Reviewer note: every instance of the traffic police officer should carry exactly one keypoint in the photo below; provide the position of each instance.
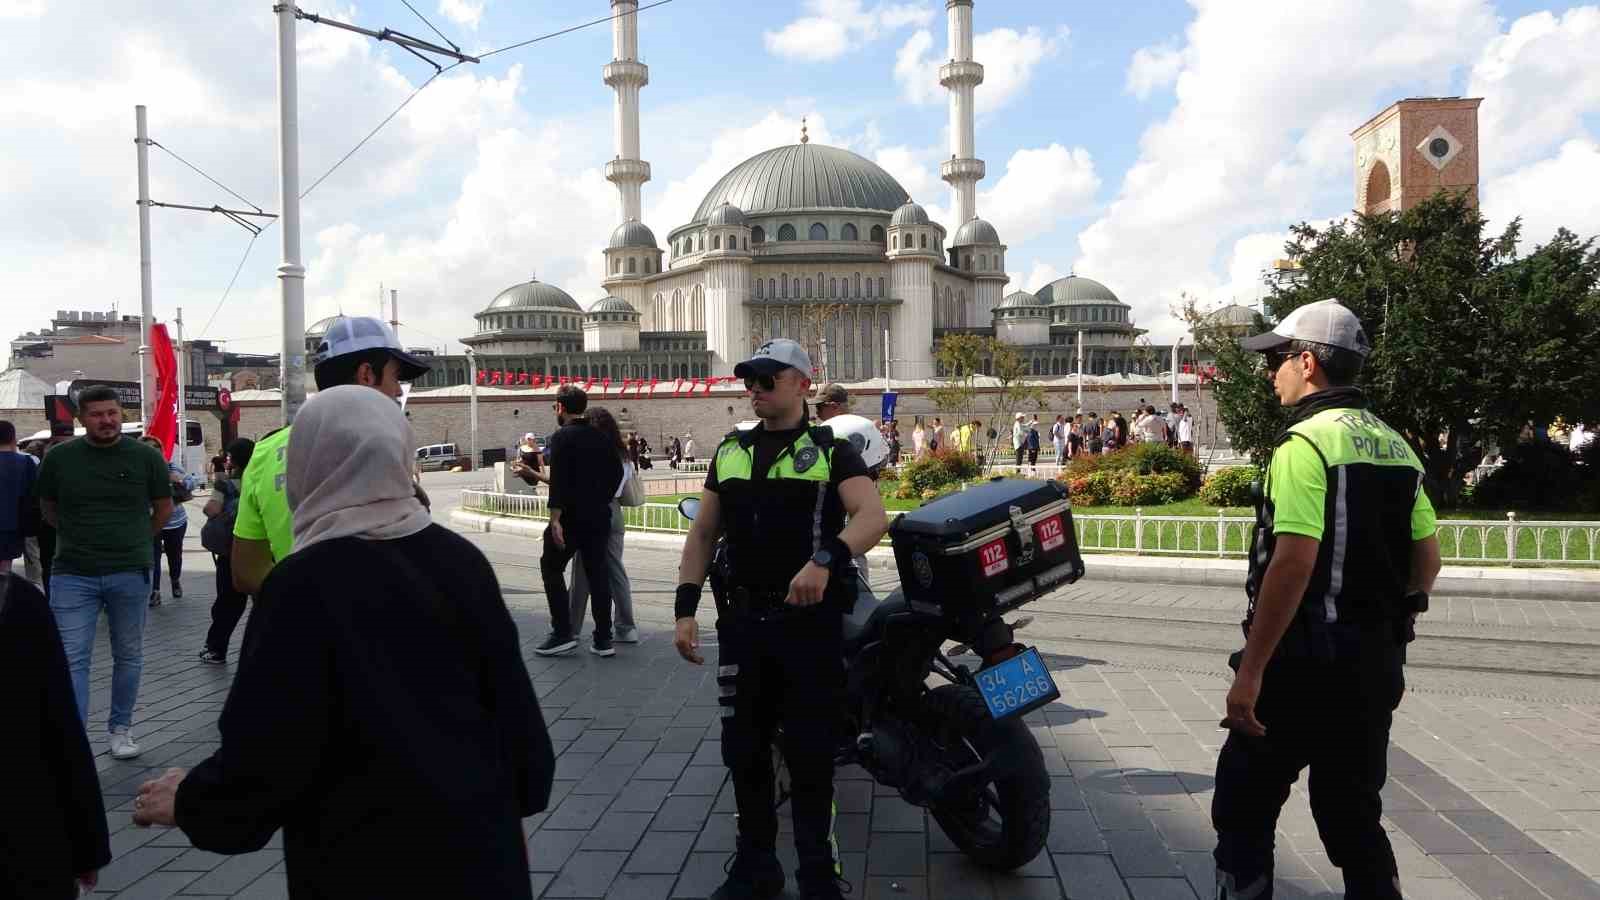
(780, 493)
(1343, 556)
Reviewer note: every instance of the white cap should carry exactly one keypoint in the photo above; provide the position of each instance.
(1327, 322)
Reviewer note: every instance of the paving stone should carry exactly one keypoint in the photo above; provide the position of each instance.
(1433, 834)
(660, 852)
(1065, 794)
(1487, 877)
(549, 850)
(682, 813)
(700, 876)
(195, 861)
(1074, 832)
(128, 868)
(1438, 792)
(1553, 875)
(641, 887)
(627, 753)
(1160, 889)
(647, 728)
(701, 780)
(1141, 853)
(1184, 830)
(236, 872)
(617, 831)
(641, 796)
(158, 886)
(881, 887)
(1089, 876)
(661, 765)
(587, 874)
(271, 886)
(1494, 833)
(896, 854)
(894, 814)
(720, 835)
(573, 765)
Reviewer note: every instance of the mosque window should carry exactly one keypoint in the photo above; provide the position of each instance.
(924, 242)
(869, 287)
(616, 265)
(808, 287)
(877, 234)
(760, 289)
(758, 235)
(783, 284)
(716, 242)
(968, 263)
(633, 265)
(983, 262)
(786, 233)
(881, 292)
(833, 287)
(819, 231)
(849, 233)
(858, 285)
(772, 289)
(895, 244)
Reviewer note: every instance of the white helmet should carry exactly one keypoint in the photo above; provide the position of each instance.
(863, 435)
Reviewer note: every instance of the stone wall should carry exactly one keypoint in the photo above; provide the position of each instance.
(503, 420)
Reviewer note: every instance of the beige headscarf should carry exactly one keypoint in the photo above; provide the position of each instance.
(349, 469)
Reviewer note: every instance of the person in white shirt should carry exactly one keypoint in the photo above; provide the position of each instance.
(621, 589)
(688, 447)
(1019, 437)
(1185, 430)
(1152, 427)
(1058, 439)
(1579, 437)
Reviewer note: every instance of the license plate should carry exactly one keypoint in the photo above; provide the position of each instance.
(1017, 686)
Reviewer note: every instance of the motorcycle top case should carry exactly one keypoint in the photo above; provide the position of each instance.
(987, 549)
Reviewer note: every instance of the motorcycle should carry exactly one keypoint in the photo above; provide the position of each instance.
(943, 747)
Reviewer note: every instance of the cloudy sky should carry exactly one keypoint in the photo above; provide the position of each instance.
(1159, 147)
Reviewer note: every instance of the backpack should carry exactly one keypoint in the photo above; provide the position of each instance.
(217, 534)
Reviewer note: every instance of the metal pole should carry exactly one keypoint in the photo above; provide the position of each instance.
(142, 142)
(1080, 371)
(1175, 345)
(472, 406)
(291, 272)
(888, 386)
(183, 429)
(394, 312)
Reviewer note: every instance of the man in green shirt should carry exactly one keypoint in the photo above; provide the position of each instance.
(356, 350)
(1342, 559)
(107, 496)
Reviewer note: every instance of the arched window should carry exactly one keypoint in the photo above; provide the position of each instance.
(616, 265)
(783, 284)
(758, 235)
(772, 289)
(877, 233)
(833, 287)
(786, 232)
(808, 287)
(858, 285)
(869, 287)
(967, 264)
(881, 292)
(896, 242)
(716, 242)
(819, 232)
(849, 233)
(924, 242)
(633, 265)
(760, 289)
(700, 242)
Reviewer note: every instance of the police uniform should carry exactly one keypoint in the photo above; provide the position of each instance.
(1341, 476)
(779, 664)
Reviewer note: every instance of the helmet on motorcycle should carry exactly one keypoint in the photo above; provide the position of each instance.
(864, 436)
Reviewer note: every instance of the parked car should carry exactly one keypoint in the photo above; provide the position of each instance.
(437, 457)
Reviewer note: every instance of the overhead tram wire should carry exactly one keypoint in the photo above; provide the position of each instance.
(425, 21)
(229, 289)
(196, 169)
(546, 37)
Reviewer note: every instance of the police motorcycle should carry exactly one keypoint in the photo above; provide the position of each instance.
(961, 748)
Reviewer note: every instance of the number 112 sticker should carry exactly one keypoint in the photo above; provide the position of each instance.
(992, 557)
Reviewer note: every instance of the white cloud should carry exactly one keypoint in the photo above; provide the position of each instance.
(1538, 81)
(1266, 97)
(1554, 192)
(1153, 67)
(1040, 187)
(465, 13)
(1041, 274)
(917, 170)
(1009, 58)
(21, 9)
(835, 27)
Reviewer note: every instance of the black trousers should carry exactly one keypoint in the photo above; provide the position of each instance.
(589, 539)
(226, 610)
(170, 542)
(787, 670)
(1333, 718)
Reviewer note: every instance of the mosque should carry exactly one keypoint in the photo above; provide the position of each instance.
(804, 241)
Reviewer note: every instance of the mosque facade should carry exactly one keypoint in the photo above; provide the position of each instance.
(805, 241)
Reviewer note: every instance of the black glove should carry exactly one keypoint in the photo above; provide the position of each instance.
(686, 601)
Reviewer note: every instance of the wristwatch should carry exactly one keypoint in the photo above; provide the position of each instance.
(823, 558)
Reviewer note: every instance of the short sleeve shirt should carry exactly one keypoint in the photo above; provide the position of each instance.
(103, 497)
(263, 502)
(1298, 483)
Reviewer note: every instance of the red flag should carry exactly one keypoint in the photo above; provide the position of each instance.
(495, 376)
(709, 382)
(483, 375)
(653, 383)
(605, 385)
(163, 422)
(587, 383)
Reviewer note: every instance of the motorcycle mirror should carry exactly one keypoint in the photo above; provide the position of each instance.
(688, 507)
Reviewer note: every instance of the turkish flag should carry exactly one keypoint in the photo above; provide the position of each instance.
(483, 375)
(709, 382)
(605, 385)
(653, 383)
(163, 422)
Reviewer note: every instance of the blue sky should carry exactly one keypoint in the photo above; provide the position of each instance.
(1162, 147)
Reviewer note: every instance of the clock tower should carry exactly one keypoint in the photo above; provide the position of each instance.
(1415, 148)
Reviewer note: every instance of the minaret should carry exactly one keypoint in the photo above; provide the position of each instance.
(626, 75)
(960, 76)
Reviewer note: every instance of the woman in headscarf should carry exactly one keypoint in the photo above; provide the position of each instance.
(383, 707)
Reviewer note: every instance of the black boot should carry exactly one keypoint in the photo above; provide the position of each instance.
(821, 881)
(753, 874)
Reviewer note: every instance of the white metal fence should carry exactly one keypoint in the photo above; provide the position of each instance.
(1462, 541)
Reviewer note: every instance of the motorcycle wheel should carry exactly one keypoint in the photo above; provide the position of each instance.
(1001, 824)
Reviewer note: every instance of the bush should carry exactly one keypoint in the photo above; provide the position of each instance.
(1233, 486)
(1540, 476)
(1139, 475)
(1091, 490)
(937, 470)
(1130, 489)
(1140, 459)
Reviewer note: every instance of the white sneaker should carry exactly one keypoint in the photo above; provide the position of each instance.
(122, 745)
(626, 635)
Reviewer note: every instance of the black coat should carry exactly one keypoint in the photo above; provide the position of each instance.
(56, 827)
(384, 719)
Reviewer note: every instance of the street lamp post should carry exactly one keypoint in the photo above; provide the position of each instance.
(291, 272)
(472, 406)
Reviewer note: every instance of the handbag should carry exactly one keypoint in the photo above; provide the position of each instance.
(632, 490)
(216, 535)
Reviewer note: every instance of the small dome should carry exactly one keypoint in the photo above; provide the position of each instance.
(726, 214)
(633, 233)
(321, 328)
(910, 214)
(534, 294)
(612, 305)
(1231, 316)
(975, 231)
(1075, 290)
(1019, 299)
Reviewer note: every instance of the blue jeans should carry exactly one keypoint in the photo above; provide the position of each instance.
(76, 601)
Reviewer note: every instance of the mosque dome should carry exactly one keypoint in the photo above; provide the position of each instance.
(632, 233)
(804, 176)
(612, 305)
(726, 214)
(534, 294)
(910, 214)
(1075, 289)
(975, 231)
(1018, 300)
(1231, 316)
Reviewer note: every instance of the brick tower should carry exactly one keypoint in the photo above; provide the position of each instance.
(1414, 148)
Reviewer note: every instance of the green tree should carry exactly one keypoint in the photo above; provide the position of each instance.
(1243, 396)
(960, 358)
(1470, 339)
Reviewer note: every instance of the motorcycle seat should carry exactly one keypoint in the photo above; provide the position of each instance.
(865, 622)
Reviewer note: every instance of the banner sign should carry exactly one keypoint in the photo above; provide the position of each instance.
(195, 396)
(889, 398)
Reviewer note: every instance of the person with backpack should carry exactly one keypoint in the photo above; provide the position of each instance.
(217, 537)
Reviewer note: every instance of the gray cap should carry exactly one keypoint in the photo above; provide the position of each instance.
(773, 357)
(1326, 322)
(353, 334)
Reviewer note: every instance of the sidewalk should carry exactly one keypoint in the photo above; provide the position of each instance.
(1458, 581)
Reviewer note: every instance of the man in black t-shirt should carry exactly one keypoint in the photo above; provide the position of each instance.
(780, 493)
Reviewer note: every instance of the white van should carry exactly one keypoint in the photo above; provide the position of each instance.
(436, 457)
(193, 459)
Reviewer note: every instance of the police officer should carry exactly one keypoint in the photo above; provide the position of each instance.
(1343, 556)
(780, 493)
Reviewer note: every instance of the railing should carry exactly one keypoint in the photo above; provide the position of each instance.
(1461, 541)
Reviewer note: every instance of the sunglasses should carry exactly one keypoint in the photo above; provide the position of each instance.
(764, 382)
(1276, 359)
